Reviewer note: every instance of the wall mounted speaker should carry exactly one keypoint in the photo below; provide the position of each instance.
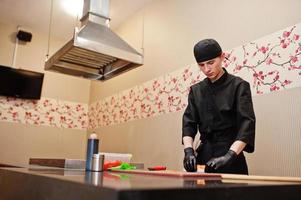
(24, 36)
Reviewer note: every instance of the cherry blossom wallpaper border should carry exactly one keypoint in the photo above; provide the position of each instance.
(271, 63)
(46, 112)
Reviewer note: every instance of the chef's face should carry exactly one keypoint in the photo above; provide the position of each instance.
(212, 68)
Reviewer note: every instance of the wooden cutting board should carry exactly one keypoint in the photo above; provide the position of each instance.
(175, 173)
(260, 178)
(170, 173)
(62, 163)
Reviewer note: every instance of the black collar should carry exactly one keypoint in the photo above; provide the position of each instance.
(219, 81)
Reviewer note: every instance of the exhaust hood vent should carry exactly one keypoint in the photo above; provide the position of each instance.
(95, 52)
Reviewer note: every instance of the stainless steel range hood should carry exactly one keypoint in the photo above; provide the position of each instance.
(95, 52)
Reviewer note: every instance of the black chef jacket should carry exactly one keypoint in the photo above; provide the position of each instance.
(222, 112)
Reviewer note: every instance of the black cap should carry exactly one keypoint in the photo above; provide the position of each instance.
(206, 49)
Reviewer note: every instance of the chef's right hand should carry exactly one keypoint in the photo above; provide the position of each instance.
(189, 161)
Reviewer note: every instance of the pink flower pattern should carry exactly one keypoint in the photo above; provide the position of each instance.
(46, 111)
(163, 95)
(271, 63)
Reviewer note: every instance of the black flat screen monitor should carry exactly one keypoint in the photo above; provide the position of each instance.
(20, 83)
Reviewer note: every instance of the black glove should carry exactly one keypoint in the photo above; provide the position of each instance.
(226, 160)
(189, 161)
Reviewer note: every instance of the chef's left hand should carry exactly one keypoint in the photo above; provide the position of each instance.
(227, 159)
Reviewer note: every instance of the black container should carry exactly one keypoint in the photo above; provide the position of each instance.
(92, 148)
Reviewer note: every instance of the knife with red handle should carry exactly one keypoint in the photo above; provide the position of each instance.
(156, 168)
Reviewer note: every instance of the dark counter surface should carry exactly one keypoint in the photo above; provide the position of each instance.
(55, 183)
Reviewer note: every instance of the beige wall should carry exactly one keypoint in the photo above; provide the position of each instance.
(152, 141)
(171, 27)
(278, 134)
(18, 142)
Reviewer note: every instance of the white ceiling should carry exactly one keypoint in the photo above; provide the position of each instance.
(35, 14)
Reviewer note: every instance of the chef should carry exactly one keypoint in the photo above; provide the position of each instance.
(219, 107)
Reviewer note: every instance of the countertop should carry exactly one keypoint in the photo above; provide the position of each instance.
(55, 183)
